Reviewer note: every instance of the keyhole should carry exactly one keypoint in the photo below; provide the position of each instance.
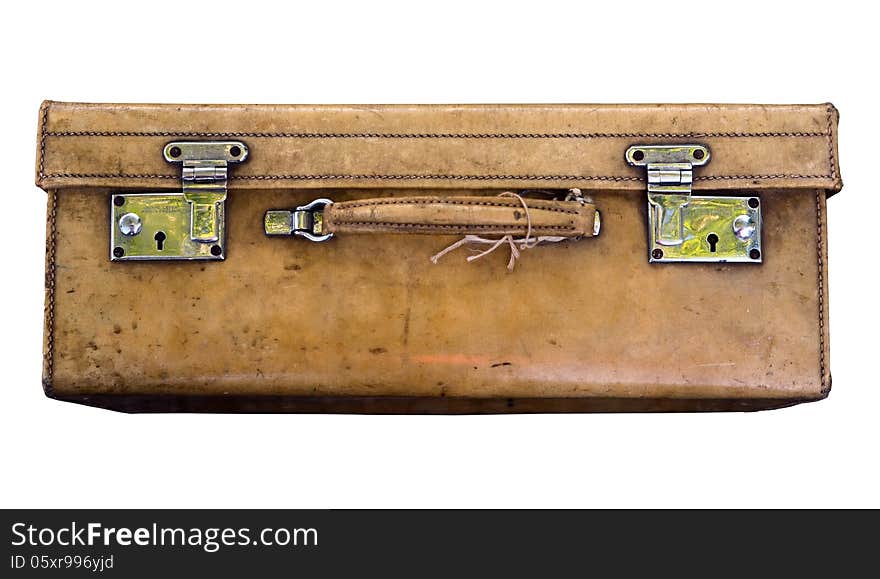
(713, 241)
(160, 240)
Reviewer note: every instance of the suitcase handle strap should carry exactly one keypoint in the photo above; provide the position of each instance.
(509, 219)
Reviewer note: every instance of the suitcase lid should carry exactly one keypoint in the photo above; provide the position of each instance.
(754, 147)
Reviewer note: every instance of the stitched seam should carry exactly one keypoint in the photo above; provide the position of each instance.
(427, 177)
(831, 161)
(460, 226)
(51, 244)
(369, 135)
(820, 250)
(821, 287)
(44, 117)
(478, 203)
(109, 176)
(778, 176)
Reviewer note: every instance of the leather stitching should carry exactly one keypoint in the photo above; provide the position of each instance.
(832, 165)
(429, 177)
(109, 176)
(51, 244)
(44, 117)
(476, 203)
(820, 283)
(318, 135)
(778, 176)
(821, 287)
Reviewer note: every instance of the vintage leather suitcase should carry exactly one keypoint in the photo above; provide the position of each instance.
(621, 257)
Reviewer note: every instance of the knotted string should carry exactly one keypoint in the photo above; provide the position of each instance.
(524, 243)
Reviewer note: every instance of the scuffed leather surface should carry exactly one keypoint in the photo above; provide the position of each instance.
(371, 315)
(461, 215)
(368, 324)
(449, 146)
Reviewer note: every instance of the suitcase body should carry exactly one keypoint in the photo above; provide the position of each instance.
(366, 322)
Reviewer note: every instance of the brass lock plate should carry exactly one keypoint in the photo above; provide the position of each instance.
(714, 229)
(150, 226)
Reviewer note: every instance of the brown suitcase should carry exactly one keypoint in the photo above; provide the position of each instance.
(628, 257)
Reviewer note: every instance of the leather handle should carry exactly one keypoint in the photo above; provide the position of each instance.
(463, 216)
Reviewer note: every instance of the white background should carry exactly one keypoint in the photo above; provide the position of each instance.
(65, 455)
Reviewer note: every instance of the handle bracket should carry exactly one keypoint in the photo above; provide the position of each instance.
(305, 221)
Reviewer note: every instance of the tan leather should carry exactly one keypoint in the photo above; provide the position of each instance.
(761, 147)
(369, 324)
(462, 216)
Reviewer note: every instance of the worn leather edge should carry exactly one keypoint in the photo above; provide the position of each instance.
(420, 405)
(65, 179)
(49, 288)
(42, 131)
(822, 288)
(833, 162)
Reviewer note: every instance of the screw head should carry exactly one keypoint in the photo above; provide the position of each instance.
(216, 250)
(657, 253)
(130, 224)
(118, 252)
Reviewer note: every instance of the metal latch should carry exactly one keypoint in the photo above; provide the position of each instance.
(686, 227)
(187, 225)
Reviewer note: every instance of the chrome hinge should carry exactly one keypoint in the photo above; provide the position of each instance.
(204, 173)
(186, 225)
(686, 227)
